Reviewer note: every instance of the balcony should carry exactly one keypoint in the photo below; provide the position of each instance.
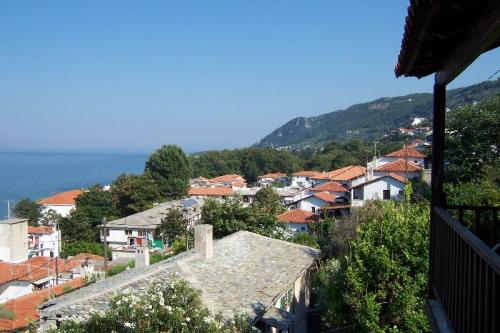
(464, 277)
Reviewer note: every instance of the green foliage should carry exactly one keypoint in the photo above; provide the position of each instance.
(164, 307)
(157, 257)
(91, 207)
(304, 238)
(473, 139)
(133, 194)
(178, 246)
(28, 209)
(248, 162)
(408, 191)
(117, 269)
(170, 168)
(6, 313)
(267, 200)
(73, 248)
(380, 286)
(50, 217)
(174, 225)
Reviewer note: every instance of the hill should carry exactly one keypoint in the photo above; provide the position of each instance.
(370, 120)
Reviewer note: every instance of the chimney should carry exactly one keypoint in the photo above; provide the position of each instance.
(203, 244)
(141, 257)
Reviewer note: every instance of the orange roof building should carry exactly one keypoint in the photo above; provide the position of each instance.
(276, 175)
(33, 269)
(400, 165)
(210, 191)
(41, 230)
(307, 174)
(329, 187)
(64, 198)
(298, 216)
(407, 152)
(25, 308)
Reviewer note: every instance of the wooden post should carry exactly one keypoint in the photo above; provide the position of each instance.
(437, 200)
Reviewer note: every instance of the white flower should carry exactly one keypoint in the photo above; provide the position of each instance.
(129, 325)
(188, 319)
(168, 307)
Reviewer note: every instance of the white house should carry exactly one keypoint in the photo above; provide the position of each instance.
(230, 180)
(347, 176)
(298, 220)
(62, 203)
(401, 167)
(44, 241)
(315, 202)
(302, 179)
(269, 179)
(331, 187)
(126, 234)
(386, 187)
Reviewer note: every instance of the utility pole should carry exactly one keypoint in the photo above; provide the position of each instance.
(375, 143)
(8, 209)
(104, 232)
(57, 271)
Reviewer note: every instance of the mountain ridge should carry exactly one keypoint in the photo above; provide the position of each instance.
(369, 120)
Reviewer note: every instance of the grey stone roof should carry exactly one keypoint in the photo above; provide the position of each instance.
(151, 218)
(247, 273)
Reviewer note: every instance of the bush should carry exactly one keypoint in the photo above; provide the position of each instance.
(116, 269)
(73, 248)
(304, 238)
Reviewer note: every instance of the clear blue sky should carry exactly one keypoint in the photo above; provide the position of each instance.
(129, 76)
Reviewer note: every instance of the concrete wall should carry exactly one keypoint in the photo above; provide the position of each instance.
(62, 210)
(14, 241)
(309, 203)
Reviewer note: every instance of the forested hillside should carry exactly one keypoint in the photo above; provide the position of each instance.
(367, 121)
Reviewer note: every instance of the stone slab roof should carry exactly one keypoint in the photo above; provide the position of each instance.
(247, 273)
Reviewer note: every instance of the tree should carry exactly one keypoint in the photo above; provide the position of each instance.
(90, 208)
(134, 193)
(226, 217)
(50, 217)
(28, 209)
(170, 168)
(473, 139)
(174, 225)
(73, 248)
(268, 200)
(381, 283)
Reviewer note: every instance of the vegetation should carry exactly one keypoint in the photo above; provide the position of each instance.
(134, 193)
(170, 169)
(369, 121)
(164, 307)
(380, 285)
(117, 269)
(28, 209)
(6, 313)
(73, 248)
(174, 226)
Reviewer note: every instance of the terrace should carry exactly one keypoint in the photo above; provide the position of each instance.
(444, 38)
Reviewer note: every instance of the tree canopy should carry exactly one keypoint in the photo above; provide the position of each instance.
(28, 209)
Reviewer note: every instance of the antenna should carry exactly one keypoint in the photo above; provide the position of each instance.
(8, 209)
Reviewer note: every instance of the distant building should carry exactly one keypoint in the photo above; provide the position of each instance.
(303, 179)
(44, 241)
(386, 187)
(126, 234)
(298, 220)
(210, 192)
(316, 201)
(199, 182)
(347, 176)
(400, 167)
(244, 272)
(409, 153)
(270, 179)
(62, 203)
(14, 240)
(331, 187)
(230, 180)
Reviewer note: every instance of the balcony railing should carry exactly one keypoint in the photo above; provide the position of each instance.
(465, 271)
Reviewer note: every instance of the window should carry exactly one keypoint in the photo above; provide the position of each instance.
(313, 209)
(386, 194)
(128, 232)
(302, 228)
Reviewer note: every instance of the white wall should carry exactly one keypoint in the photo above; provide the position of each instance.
(62, 210)
(14, 241)
(308, 203)
(374, 190)
(297, 227)
(300, 181)
(14, 289)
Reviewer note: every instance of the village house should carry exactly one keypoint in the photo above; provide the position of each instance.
(302, 179)
(272, 179)
(331, 187)
(61, 203)
(409, 153)
(125, 235)
(314, 202)
(233, 181)
(298, 220)
(25, 309)
(232, 273)
(400, 167)
(33, 274)
(199, 182)
(248, 195)
(210, 192)
(386, 187)
(44, 241)
(347, 176)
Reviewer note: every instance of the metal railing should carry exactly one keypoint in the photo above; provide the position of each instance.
(465, 273)
(481, 220)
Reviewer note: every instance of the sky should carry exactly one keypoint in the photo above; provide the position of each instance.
(130, 76)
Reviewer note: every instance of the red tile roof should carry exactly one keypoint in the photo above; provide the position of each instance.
(345, 173)
(84, 256)
(273, 175)
(63, 198)
(33, 269)
(228, 178)
(307, 173)
(329, 187)
(298, 216)
(210, 191)
(41, 230)
(399, 165)
(325, 196)
(410, 152)
(25, 308)
(397, 177)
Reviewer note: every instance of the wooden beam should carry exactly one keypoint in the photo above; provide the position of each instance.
(481, 36)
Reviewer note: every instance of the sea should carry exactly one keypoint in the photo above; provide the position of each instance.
(39, 175)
